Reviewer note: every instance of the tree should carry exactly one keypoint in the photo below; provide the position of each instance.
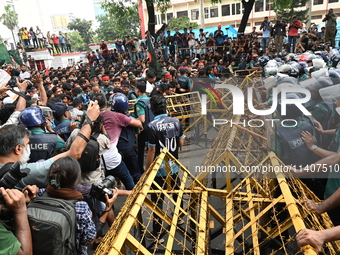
(118, 8)
(84, 28)
(10, 19)
(113, 26)
(290, 8)
(77, 42)
(182, 22)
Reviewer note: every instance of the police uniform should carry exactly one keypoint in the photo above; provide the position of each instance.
(63, 129)
(126, 147)
(140, 109)
(294, 152)
(41, 144)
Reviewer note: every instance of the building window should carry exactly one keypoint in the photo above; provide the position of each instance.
(236, 9)
(259, 6)
(194, 14)
(182, 13)
(269, 6)
(258, 23)
(70, 62)
(213, 12)
(317, 17)
(169, 16)
(206, 12)
(316, 2)
(333, 1)
(163, 18)
(156, 21)
(226, 10)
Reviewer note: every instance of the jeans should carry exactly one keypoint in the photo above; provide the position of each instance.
(140, 55)
(291, 43)
(56, 46)
(63, 47)
(68, 48)
(133, 57)
(122, 173)
(130, 158)
(265, 41)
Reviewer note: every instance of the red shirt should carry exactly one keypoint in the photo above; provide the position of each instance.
(104, 48)
(113, 123)
(55, 39)
(293, 31)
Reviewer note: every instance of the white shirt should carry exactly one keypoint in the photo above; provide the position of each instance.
(39, 34)
(137, 45)
(24, 75)
(149, 87)
(8, 47)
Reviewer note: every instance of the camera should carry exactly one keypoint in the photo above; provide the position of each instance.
(13, 174)
(98, 190)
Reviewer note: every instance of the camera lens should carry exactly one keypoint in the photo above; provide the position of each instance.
(108, 181)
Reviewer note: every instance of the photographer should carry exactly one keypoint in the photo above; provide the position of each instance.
(279, 32)
(14, 141)
(330, 20)
(20, 242)
(293, 33)
(267, 28)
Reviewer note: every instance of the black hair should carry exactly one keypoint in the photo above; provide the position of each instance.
(163, 87)
(158, 104)
(65, 172)
(150, 75)
(77, 101)
(100, 97)
(141, 86)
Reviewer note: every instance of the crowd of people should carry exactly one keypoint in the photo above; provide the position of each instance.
(71, 127)
(35, 39)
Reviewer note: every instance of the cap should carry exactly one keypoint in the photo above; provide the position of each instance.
(7, 100)
(168, 75)
(164, 72)
(183, 70)
(59, 109)
(219, 26)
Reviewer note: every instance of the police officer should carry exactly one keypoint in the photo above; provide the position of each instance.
(126, 143)
(41, 143)
(63, 118)
(183, 81)
(320, 110)
(290, 147)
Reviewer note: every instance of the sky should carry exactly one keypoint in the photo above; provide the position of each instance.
(80, 8)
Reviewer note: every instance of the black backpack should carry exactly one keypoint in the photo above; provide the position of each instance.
(53, 225)
(90, 160)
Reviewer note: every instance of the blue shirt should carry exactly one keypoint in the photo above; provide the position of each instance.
(266, 31)
(61, 39)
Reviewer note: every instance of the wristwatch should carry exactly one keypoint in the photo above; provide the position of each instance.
(314, 147)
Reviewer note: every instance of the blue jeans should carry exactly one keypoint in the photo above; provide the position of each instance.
(291, 43)
(265, 41)
(122, 173)
(133, 56)
(165, 54)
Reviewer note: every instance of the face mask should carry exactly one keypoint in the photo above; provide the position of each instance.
(25, 155)
(338, 110)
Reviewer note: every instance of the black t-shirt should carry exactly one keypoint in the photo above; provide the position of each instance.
(166, 132)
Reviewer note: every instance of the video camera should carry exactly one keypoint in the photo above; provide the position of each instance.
(98, 190)
(11, 175)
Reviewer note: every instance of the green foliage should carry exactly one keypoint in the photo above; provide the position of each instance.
(84, 28)
(288, 9)
(77, 42)
(180, 23)
(9, 18)
(112, 25)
